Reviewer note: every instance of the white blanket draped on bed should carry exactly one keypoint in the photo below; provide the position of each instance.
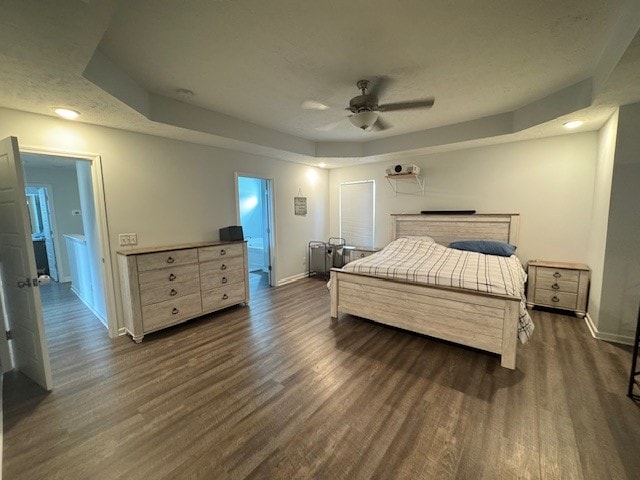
(420, 261)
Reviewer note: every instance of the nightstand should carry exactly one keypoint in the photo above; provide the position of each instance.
(558, 285)
(354, 253)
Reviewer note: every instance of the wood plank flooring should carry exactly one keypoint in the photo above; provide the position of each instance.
(279, 390)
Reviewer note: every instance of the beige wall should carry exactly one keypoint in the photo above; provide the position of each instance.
(172, 192)
(549, 182)
(621, 274)
(600, 212)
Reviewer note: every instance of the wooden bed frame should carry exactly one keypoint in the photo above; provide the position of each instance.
(480, 320)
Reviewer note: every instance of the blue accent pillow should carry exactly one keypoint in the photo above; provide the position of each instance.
(488, 247)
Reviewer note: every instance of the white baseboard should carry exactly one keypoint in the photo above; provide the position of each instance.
(90, 307)
(608, 337)
(292, 279)
(122, 331)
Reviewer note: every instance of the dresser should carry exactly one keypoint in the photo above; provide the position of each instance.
(165, 286)
(558, 285)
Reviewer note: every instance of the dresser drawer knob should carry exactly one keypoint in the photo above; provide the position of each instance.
(223, 267)
(175, 311)
(224, 279)
(170, 260)
(225, 296)
(557, 274)
(172, 277)
(173, 292)
(223, 252)
(555, 299)
(362, 255)
(555, 286)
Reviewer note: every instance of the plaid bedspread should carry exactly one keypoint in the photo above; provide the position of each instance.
(420, 261)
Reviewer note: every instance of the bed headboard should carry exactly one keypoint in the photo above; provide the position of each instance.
(445, 229)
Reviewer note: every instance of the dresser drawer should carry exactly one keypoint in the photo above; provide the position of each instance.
(151, 293)
(168, 276)
(221, 297)
(153, 261)
(557, 284)
(220, 251)
(221, 267)
(221, 279)
(556, 299)
(551, 274)
(165, 313)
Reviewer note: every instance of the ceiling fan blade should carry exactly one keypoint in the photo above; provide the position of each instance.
(390, 107)
(313, 105)
(378, 86)
(381, 125)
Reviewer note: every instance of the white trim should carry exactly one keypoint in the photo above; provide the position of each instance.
(90, 307)
(272, 219)
(122, 331)
(608, 337)
(103, 227)
(293, 278)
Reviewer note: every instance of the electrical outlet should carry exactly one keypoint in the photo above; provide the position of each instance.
(128, 239)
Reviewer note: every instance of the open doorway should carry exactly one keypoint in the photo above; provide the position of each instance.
(254, 211)
(64, 228)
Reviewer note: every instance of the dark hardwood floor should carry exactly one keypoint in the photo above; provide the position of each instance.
(279, 390)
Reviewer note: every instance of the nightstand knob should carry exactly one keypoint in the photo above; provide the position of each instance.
(555, 299)
(557, 274)
(555, 286)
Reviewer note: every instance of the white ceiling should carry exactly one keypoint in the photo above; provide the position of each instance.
(252, 63)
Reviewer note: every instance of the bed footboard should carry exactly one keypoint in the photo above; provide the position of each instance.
(484, 321)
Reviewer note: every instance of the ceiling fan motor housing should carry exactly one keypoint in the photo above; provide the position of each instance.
(368, 103)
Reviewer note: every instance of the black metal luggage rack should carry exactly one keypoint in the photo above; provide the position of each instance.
(634, 377)
(323, 256)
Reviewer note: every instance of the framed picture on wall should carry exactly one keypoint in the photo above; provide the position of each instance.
(300, 205)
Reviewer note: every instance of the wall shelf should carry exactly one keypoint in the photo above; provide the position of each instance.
(412, 178)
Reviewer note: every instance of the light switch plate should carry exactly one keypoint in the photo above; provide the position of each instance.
(128, 239)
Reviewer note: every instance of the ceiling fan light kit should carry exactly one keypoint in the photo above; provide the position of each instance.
(364, 119)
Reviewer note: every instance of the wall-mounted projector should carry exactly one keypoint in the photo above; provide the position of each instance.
(403, 169)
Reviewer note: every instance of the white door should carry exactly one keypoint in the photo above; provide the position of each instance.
(18, 275)
(47, 229)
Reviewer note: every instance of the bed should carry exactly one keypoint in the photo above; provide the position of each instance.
(487, 321)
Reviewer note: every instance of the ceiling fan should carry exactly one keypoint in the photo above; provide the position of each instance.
(365, 108)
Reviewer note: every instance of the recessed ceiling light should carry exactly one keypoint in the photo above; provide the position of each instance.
(66, 113)
(573, 124)
(322, 164)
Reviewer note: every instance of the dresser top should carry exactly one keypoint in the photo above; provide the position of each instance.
(166, 248)
(552, 264)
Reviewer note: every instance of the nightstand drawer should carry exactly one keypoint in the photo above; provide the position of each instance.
(557, 284)
(563, 274)
(550, 298)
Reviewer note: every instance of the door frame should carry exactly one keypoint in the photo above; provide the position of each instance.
(54, 225)
(100, 206)
(272, 219)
